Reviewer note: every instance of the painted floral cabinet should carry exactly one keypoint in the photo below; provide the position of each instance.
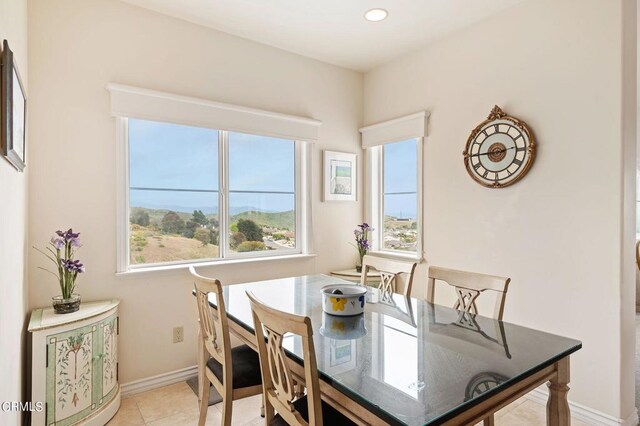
(75, 365)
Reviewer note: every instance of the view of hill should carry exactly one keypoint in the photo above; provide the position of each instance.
(163, 235)
(281, 220)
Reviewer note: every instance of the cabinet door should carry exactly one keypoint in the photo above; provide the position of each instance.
(70, 375)
(109, 350)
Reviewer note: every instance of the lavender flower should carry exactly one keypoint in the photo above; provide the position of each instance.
(58, 243)
(68, 235)
(361, 234)
(61, 252)
(73, 266)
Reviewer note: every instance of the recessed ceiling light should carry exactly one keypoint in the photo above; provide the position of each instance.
(375, 15)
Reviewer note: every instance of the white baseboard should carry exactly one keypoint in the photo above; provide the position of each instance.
(585, 414)
(158, 381)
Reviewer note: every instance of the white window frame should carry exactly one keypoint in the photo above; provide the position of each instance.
(374, 137)
(128, 102)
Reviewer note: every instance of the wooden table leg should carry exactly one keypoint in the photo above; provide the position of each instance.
(558, 413)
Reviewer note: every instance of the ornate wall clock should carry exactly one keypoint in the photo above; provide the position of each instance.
(500, 150)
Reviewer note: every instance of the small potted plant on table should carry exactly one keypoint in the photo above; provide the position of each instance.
(362, 242)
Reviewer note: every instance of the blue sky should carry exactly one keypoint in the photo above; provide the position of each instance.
(400, 175)
(180, 157)
(171, 156)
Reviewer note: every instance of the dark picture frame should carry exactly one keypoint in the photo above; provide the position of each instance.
(13, 110)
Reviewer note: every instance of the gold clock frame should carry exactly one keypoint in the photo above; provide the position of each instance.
(498, 114)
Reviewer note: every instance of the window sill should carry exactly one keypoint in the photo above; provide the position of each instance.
(153, 270)
(398, 255)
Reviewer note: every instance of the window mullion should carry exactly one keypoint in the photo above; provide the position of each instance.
(223, 199)
(299, 197)
(380, 227)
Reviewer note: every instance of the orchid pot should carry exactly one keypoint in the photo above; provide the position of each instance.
(362, 244)
(61, 251)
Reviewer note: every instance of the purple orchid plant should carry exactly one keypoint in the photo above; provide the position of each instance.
(362, 239)
(61, 252)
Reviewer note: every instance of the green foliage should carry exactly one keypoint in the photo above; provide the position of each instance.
(215, 236)
(172, 223)
(138, 238)
(140, 259)
(198, 220)
(237, 238)
(140, 217)
(250, 229)
(251, 246)
(280, 220)
(203, 235)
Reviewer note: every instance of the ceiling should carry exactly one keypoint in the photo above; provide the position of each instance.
(334, 31)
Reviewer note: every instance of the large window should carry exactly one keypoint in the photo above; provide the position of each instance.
(203, 194)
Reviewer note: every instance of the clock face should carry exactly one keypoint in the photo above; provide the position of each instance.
(499, 151)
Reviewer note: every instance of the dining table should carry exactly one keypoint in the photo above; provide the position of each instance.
(408, 362)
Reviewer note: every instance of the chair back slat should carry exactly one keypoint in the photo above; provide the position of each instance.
(389, 270)
(468, 287)
(277, 381)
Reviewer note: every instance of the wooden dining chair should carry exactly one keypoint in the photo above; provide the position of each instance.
(389, 270)
(278, 385)
(468, 287)
(233, 372)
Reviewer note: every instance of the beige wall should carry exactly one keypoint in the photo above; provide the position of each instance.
(557, 233)
(76, 48)
(14, 302)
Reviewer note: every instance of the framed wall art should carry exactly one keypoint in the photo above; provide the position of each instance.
(340, 172)
(13, 111)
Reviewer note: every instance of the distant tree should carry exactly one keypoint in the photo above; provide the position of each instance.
(250, 229)
(199, 218)
(215, 236)
(172, 223)
(251, 246)
(140, 217)
(203, 235)
(237, 238)
(189, 229)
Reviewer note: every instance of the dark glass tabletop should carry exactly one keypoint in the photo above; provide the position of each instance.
(407, 361)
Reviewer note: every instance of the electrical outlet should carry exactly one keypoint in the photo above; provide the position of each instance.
(178, 334)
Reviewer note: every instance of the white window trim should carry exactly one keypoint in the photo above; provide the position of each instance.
(144, 104)
(413, 126)
(127, 100)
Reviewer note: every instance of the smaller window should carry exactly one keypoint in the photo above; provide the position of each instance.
(395, 204)
(400, 196)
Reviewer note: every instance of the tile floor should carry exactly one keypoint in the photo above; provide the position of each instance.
(177, 405)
